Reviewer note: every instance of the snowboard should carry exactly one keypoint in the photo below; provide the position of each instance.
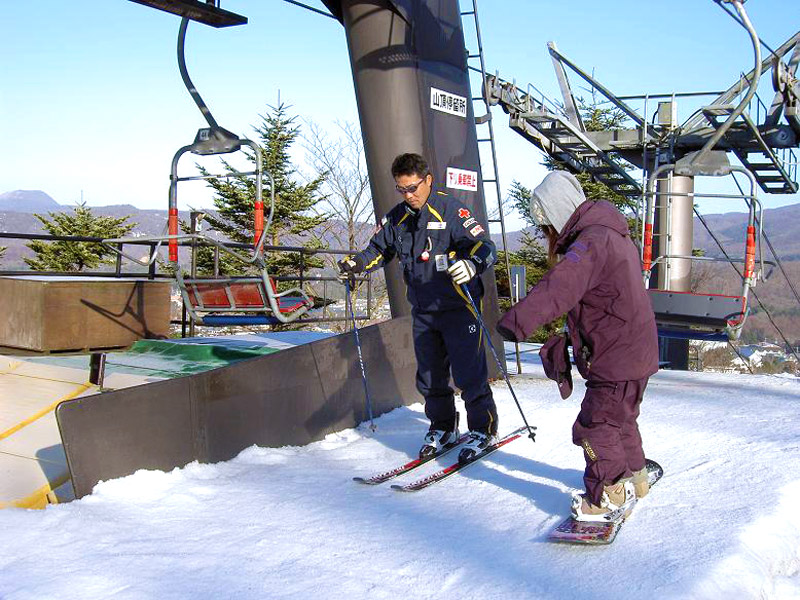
(570, 531)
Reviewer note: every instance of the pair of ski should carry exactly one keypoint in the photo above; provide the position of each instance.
(442, 473)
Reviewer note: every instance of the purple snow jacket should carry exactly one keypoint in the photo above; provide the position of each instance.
(598, 283)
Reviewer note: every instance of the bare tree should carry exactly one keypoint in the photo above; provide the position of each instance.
(340, 160)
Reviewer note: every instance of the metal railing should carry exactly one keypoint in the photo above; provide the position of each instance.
(122, 268)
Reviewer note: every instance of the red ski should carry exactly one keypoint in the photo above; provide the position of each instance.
(409, 466)
(458, 466)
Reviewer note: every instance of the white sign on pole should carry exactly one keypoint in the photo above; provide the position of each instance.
(518, 287)
(461, 179)
(450, 103)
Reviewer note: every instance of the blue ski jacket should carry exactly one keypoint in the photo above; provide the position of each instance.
(423, 241)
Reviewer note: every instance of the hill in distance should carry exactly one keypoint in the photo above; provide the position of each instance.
(28, 201)
(782, 225)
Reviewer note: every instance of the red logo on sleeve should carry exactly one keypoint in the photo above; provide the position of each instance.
(463, 213)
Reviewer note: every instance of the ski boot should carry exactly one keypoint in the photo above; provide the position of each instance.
(641, 482)
(475, 444)
(437, 440)
(617, 502)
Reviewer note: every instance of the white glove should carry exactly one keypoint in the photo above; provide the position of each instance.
(462, 271)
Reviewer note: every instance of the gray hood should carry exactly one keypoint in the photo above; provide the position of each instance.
(556, 198)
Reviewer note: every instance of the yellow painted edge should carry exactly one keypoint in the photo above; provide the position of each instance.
(82, 388)
(40, 498)
(16, 365)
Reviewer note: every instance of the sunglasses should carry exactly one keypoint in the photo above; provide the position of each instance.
(409, 189)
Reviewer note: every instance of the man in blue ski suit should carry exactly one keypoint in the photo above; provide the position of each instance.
(441, 246)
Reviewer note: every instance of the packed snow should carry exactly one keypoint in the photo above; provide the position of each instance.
(290, 522)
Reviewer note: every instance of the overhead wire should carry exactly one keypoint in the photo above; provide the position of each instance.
(778, 260)
(738, 19)
(311, 8)
(745, 362)
(735, 268)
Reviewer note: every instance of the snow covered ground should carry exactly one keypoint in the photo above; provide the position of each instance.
(290, 523)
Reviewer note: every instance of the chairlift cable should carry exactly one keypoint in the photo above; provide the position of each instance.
(311, 8)
(751, 291)
(742, 358)
(736, 18)
(775, 325)
(778, 260)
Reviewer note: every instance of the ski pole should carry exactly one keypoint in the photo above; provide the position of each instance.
(478, 316)
(360, 357)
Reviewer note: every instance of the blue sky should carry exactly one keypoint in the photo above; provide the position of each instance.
(91, 100)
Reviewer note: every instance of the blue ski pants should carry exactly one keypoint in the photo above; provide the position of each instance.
(453, 340)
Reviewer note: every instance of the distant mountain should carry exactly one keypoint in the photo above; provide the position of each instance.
(782, 226)
(28, 201)
(16, 215)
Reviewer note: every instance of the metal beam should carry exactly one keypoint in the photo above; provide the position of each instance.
(727, 96)
(202, 12)
(636, 117)
(570, 109)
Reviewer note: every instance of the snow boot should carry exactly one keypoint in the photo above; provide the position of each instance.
(641, 482)
(437, 439)
(617, 502)
(475, 444)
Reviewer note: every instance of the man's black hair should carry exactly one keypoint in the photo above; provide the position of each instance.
(410, 164)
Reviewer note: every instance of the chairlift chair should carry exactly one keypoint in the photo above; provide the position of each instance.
(711, 316)
(223, 301)
(693, 315)
(227, 301)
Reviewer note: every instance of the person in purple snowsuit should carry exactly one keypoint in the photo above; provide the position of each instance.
(596, 279)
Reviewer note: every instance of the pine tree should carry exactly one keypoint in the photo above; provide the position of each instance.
(292, 222)
(533, 254)
(597, 117)
(70, 256)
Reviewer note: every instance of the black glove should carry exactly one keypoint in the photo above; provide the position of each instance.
(349, 267)
(506, 334)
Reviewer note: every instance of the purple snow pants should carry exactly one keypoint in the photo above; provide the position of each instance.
(606, 429)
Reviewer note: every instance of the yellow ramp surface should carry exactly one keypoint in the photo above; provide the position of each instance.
(33, 469)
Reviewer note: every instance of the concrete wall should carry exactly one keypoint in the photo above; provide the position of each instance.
(292, 397)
